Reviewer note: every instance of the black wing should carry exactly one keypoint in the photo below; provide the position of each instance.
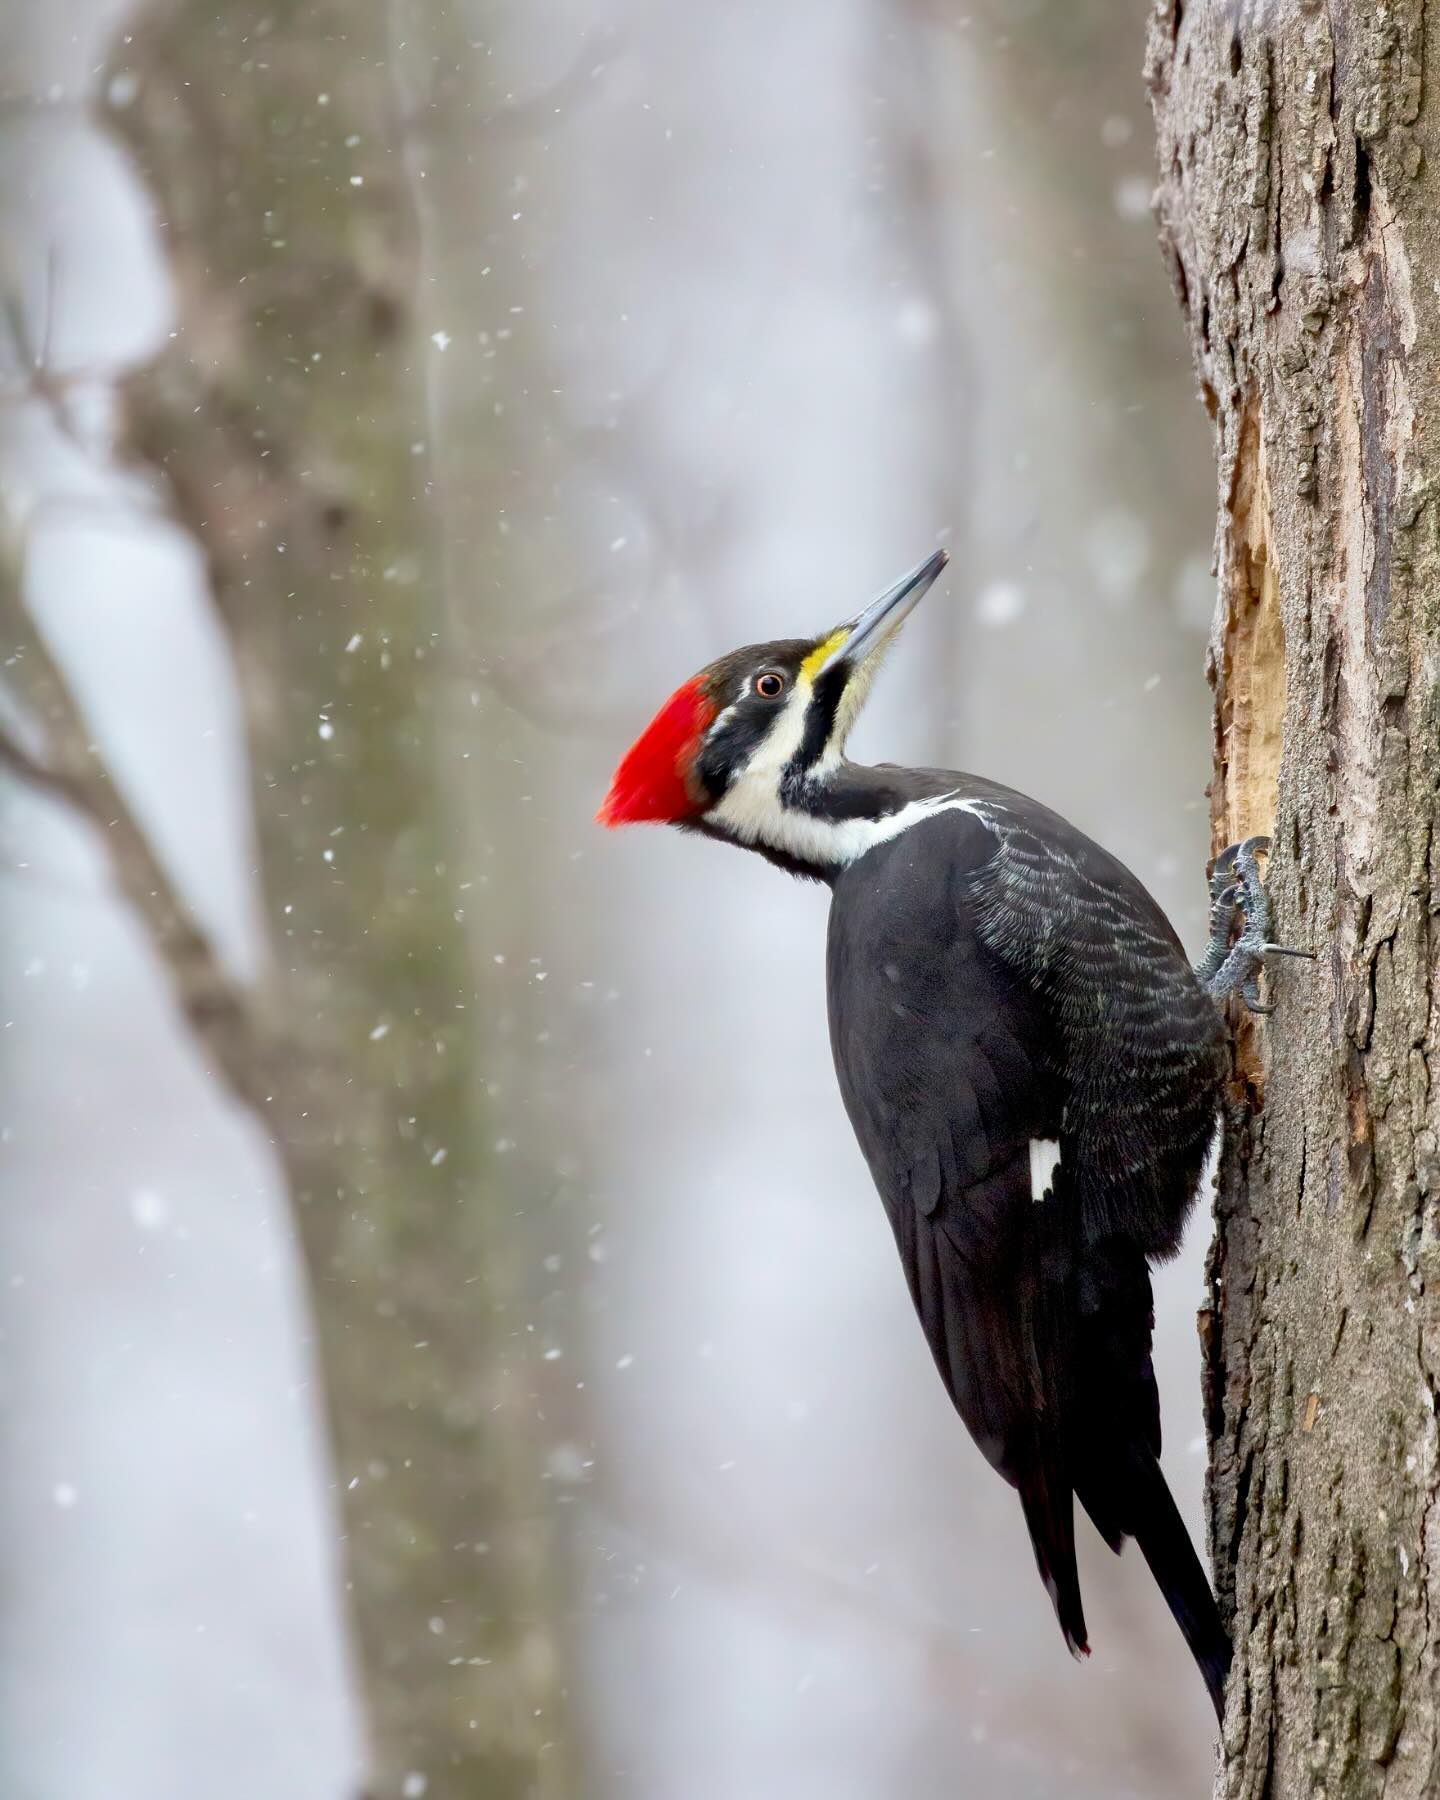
(956, 1055)
(1139, 1045)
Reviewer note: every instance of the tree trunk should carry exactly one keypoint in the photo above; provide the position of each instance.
(1299, 204)
(287, 422)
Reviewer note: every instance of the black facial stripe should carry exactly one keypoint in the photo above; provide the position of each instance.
(820, 716)
(819, 723)
(727, 749)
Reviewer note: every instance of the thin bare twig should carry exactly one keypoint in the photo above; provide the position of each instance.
(219, 1009)
(293, 1087)
(38, 379)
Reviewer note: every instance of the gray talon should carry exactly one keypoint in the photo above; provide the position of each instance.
(1250, 994)
(1237, 888)
(1224, 904)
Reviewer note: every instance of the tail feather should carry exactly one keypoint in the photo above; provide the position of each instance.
(1046, 1310)
(1042, 1337)
(1156, 1525)
(1115, 1448)
(1050, 1516)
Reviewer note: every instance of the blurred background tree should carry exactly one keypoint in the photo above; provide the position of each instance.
(290, 426)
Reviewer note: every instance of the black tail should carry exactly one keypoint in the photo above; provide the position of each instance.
(1050, 1515)
(1043, 1341)
(1046, 1291)
(1165, 1544)
(1115, 1447)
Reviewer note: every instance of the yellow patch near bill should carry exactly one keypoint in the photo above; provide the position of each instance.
(813, 663)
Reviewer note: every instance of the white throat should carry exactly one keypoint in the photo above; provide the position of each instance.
(752, 814)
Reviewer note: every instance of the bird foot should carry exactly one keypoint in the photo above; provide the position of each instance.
(1238, 889)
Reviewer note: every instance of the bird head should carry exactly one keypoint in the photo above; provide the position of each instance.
(744, 740)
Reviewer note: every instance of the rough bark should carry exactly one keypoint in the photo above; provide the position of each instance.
(287, 427)
(1299, 205)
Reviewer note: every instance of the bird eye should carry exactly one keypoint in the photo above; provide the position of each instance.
(770, 685)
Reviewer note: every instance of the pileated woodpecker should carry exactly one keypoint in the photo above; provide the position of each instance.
(1030, 1064)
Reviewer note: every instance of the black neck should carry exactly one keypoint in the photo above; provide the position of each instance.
(838, 795)
(852, 791)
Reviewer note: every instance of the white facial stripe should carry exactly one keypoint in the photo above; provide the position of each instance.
(753, 796)
(1044, 1161)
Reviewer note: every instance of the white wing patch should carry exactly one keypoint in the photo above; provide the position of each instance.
(1044, 1161)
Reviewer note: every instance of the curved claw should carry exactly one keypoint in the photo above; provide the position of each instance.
(1223, 899)
(1237, 887)
(1224, 903)
(1224, 861)
(1250, 994)
(1258, 845)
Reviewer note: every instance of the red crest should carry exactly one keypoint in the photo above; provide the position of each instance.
(651, 781)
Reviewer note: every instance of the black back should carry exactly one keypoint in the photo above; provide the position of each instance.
(996, 978)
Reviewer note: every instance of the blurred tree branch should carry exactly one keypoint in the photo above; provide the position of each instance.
(71, 767)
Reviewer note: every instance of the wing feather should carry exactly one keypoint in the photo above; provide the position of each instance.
(990, 987)
(996, 1330)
